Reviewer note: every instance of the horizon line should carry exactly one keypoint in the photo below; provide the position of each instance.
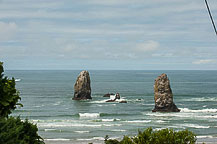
(109, 70)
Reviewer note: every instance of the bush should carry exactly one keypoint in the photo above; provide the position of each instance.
(9, 96)
(164, 136)
(15, 131)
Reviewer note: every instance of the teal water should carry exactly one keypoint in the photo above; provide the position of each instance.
(47, 99)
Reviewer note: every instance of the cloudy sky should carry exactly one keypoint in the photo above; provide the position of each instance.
(107, 34)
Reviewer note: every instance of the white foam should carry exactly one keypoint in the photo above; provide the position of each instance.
(101, 101)
(89, 115)
(118, 130)
(208, 116)
(58, 139)
(112, 97)
(121, 99)
(195, 126)
(135, 100)
(84, 139)
(109, 125)
(63, 124)
(108, 120)
(82, 131)
(208, 136)
(139, 121)
(90, 139)
(17, 80)
(118, 138)
(187, 113)
(199, 111)
(49, 129)
(51, 120)
(99, 138)
(160, 121)
(157, 114)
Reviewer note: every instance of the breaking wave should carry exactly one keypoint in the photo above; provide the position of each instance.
(202, 137)
(199, 111)
(89, 115)
(195, 126)
(106, 120)
(139, 121)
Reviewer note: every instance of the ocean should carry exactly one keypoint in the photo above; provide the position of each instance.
(47, 101)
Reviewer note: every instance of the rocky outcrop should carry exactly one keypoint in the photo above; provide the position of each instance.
(123, 101)
(163, 95)
(108, 94)
(117, 97)
(82, 89)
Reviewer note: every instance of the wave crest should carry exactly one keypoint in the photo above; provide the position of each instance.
(89, 115)
(199, 111)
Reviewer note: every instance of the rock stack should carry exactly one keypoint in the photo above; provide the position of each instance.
(163, 95)
(82, 89)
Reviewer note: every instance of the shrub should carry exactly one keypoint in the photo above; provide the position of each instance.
(15, 131)
(9, 96)
(164, 136)
(110, 141)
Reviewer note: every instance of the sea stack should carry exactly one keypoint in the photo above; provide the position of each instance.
(163, 95)
(82, 89)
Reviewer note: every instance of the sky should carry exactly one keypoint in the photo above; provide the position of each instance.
(107, 35)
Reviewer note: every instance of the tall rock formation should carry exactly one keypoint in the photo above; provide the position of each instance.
(163, 95)
(82, 89)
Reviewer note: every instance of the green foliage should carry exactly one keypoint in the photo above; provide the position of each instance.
(126, 140)
(15, 131)
(110, 141)
(9, 96)
(164, 136)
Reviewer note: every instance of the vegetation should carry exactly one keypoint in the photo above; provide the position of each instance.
(14, 130)
(164, 136)
(9, 96)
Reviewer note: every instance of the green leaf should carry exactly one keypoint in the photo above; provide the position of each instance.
(4, 103)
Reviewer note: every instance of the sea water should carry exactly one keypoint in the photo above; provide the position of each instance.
(47, 102)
